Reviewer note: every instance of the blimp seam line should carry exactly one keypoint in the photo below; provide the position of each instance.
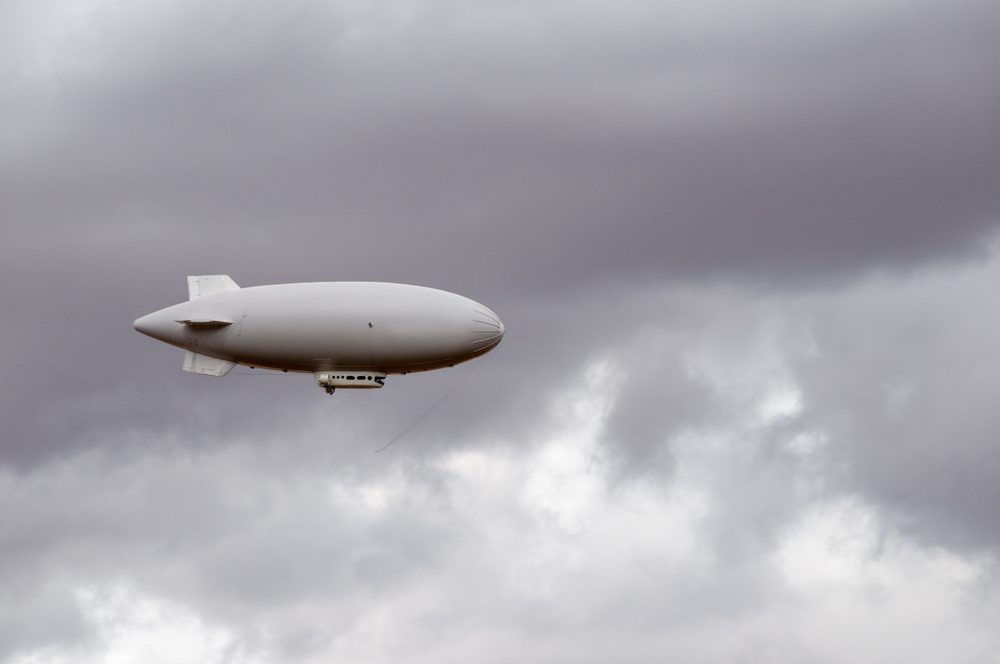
(492, 317)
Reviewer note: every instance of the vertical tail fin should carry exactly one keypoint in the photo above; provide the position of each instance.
(205, 365)
(209, 284)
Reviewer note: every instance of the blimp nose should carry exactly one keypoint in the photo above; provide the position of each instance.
(487, 330)
(143, 324)
(153, 325)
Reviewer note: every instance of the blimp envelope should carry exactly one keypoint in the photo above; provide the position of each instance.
(347, 334)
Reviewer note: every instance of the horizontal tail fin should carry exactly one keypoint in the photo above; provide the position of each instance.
(209, 284)
(205, 365)
(204, 323)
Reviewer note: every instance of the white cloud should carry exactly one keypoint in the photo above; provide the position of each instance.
(129, 626)
(538, 551)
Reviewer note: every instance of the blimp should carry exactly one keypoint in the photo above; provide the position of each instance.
(347, 334)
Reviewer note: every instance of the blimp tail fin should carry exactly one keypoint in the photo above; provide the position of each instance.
(209, 284)
(205, 365)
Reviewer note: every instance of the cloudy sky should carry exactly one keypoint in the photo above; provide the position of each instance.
(746, 409)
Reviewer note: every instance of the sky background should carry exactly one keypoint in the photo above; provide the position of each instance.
(747, 254)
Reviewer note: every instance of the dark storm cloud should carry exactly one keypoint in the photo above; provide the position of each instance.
(910, 399)
(895, 377)
(687, 203)
(662, 142)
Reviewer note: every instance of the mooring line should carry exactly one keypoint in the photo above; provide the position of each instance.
(427, 413)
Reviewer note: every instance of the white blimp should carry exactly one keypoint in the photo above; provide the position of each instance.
(346, 334)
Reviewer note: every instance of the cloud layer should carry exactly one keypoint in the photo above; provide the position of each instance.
(744, 409)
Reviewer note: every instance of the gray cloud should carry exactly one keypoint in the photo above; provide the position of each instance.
(694, 144)
(742, 254)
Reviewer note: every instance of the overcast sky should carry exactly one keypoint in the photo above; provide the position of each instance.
(746, 410)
